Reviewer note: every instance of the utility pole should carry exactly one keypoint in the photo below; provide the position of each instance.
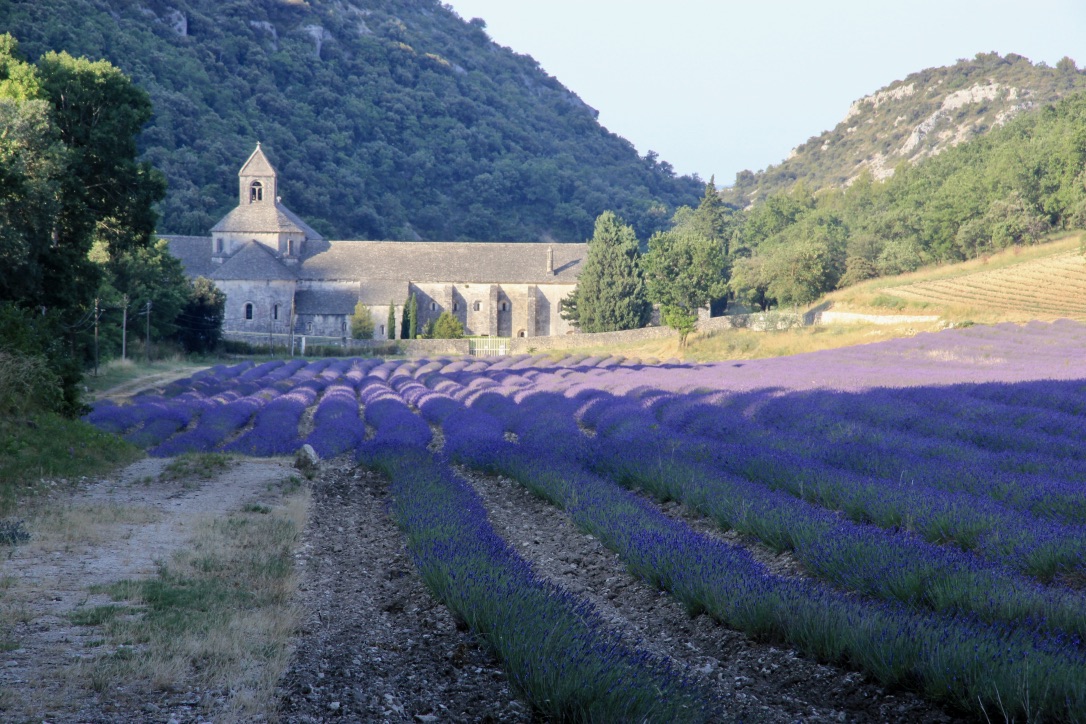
(124, 328)
(147, 344)
(292, 326)
(97, 316)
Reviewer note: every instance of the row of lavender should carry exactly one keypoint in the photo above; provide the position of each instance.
(947, 507)
(953, 657)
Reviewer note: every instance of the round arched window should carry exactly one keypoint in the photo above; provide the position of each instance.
(248, 310)
(256, 192)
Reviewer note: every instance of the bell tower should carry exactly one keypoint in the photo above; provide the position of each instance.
(257, 181)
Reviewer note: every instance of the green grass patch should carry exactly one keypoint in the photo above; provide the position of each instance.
(97, 615)
(46, 446)
(888, 301)
(196, 466)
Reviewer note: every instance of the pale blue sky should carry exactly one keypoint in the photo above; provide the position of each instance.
(717, 87)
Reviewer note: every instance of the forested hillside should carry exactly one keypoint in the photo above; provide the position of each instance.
(388, 119)
(1006, 188)
(916, 118)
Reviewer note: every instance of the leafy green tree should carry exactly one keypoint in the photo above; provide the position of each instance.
(749, 283)
(143, 274)
(68, 178)
(32, 164)
(806, 260)
(391, 324)
(712, 219)
(362, 322)
(611, 293)
(105, 193)
(199, 325)
(684, 271)
(447, 327)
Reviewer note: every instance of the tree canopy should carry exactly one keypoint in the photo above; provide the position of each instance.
(396, 122)
(362, 326)
(76, 206)
(684, 271)
(611, 293)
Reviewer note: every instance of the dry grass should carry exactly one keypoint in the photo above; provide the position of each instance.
(85, 524)
(218, 616)
(1047, 281)
(740, 344)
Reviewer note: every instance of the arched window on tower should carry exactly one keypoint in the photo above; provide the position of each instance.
(256, 192)
(248, 310)
(290, 247)
(477, 305)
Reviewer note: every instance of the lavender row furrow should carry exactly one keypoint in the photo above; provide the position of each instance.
(955, 659)
(886, 563)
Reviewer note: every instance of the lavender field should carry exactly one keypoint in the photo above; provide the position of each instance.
(932, 490)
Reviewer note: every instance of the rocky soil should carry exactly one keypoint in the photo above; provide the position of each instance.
(376, 647)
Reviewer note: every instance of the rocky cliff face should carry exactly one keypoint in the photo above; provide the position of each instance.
(915, 118)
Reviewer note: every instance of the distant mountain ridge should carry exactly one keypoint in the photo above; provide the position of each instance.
(387, 119)
(915, 118)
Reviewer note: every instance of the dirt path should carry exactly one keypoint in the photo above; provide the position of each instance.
(134, 387)
(110, 530)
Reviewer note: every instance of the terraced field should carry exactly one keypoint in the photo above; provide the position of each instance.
(1046, 288)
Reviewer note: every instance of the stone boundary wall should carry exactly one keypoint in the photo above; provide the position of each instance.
(854, 317)
(525, 345)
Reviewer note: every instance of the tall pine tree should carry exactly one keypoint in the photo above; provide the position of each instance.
(391, 319)
(611, 293)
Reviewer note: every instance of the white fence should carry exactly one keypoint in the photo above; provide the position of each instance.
(488, 346)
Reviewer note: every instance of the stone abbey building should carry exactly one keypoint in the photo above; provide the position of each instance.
(276, 272)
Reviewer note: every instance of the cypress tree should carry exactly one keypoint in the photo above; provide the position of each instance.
(413, 317)
(611, 293)
(404, 321)
(391, 325)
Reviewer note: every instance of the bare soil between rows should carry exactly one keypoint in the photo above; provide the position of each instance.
(377, 647)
